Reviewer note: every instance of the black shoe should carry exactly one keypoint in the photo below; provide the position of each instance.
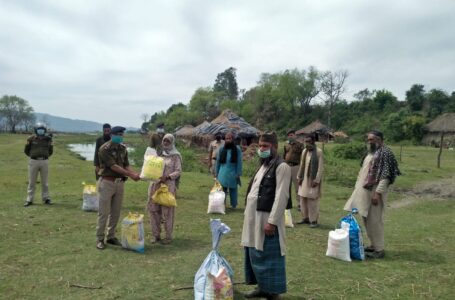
(304, 221)
(369, 249)
(273, 297)
(257, 293)
(114, 241)
(47, 201)
(375, 254)
(314, 224)
(28, 203)
(100, 245)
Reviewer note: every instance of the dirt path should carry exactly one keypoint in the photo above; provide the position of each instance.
(443, 189)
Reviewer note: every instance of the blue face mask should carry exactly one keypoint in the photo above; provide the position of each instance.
(40, 131)
(117, 139)
(264, 154)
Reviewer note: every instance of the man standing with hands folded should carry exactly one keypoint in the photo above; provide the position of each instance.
(114, 170)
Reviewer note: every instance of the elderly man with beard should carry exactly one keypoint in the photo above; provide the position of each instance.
(229, 167)
(379, 168)
(263, 234)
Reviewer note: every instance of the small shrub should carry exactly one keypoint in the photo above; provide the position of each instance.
(353, 150)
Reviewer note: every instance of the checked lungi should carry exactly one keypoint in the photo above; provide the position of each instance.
(266, 268)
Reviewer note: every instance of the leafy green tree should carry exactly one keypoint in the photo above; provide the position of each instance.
(16, 111)
(203, 102)
(226, 86)
(437, 101)
(415, 97)
(385, 100)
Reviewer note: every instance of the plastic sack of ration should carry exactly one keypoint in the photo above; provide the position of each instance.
(288, 219)
(355, 235)
(214, 279)
(133, 232)
(90, 200)
(153, 166)
(216, 200)
(338, 243)
(162, 196)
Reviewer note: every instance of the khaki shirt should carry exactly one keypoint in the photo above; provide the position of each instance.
(39, 147)
(292, 152)
(112, 154)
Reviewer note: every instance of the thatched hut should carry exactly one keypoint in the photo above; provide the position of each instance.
(443, 124)
(185, 133)
(321, 131)
(227, 121)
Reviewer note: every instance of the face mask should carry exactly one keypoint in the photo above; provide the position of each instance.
(40, 131)
(160, 130)
(264, 154)
(117, 139)
(291, 140)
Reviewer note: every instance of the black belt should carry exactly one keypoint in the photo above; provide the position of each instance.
(113, 179)
(214, 158)
(292, 164)
(39, 157)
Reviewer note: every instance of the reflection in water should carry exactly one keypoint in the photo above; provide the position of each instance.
(87, 151)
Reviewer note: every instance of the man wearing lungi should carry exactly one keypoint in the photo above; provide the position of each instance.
(263, 234)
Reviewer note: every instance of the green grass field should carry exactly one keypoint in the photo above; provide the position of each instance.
(44, 250)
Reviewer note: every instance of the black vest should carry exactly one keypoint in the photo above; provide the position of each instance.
(267, 188)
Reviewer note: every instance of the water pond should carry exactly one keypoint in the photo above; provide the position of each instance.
(87, 151)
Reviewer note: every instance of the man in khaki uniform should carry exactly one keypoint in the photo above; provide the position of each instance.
(114, 170)
(379, 170)
(157, 138)
(39, 148)
(309, 177)
(213, 151)
(292, 152)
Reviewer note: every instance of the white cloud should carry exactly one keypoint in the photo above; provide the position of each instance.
(114, 60)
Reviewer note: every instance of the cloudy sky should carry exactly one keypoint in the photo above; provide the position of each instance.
(112, 61)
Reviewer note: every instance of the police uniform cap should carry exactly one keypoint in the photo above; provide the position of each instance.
(117, 129)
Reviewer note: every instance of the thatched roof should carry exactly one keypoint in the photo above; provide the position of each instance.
(229, 121)
(186, 130)
(443, 123)
(340, 134)
(315, 126)
(202, 125)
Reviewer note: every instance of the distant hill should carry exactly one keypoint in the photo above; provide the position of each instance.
(70, 125)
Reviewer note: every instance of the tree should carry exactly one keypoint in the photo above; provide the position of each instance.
(438, 101)
(415, 97)
(226, 86)
(384, 99)
(203, 102)
(15, 110)
(332, 87)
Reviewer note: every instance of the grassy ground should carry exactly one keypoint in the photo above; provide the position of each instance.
(45, 250)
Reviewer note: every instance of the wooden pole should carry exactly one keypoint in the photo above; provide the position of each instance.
(440, 149)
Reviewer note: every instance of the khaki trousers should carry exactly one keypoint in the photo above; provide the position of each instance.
(374, 224)
(110, 204)
(34, 167)
(309, 208)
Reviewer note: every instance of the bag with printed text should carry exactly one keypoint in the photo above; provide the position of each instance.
(153, 166)
(90, 200)
(133, 232)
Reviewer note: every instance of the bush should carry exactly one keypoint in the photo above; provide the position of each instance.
(352, 150)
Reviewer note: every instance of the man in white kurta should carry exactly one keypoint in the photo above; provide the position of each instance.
(263, 234)
(371, 200)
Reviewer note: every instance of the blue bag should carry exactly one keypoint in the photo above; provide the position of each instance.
(355, 236)
(214, 279)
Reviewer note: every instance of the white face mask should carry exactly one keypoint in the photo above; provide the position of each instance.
(40, 131)
(160, 130)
